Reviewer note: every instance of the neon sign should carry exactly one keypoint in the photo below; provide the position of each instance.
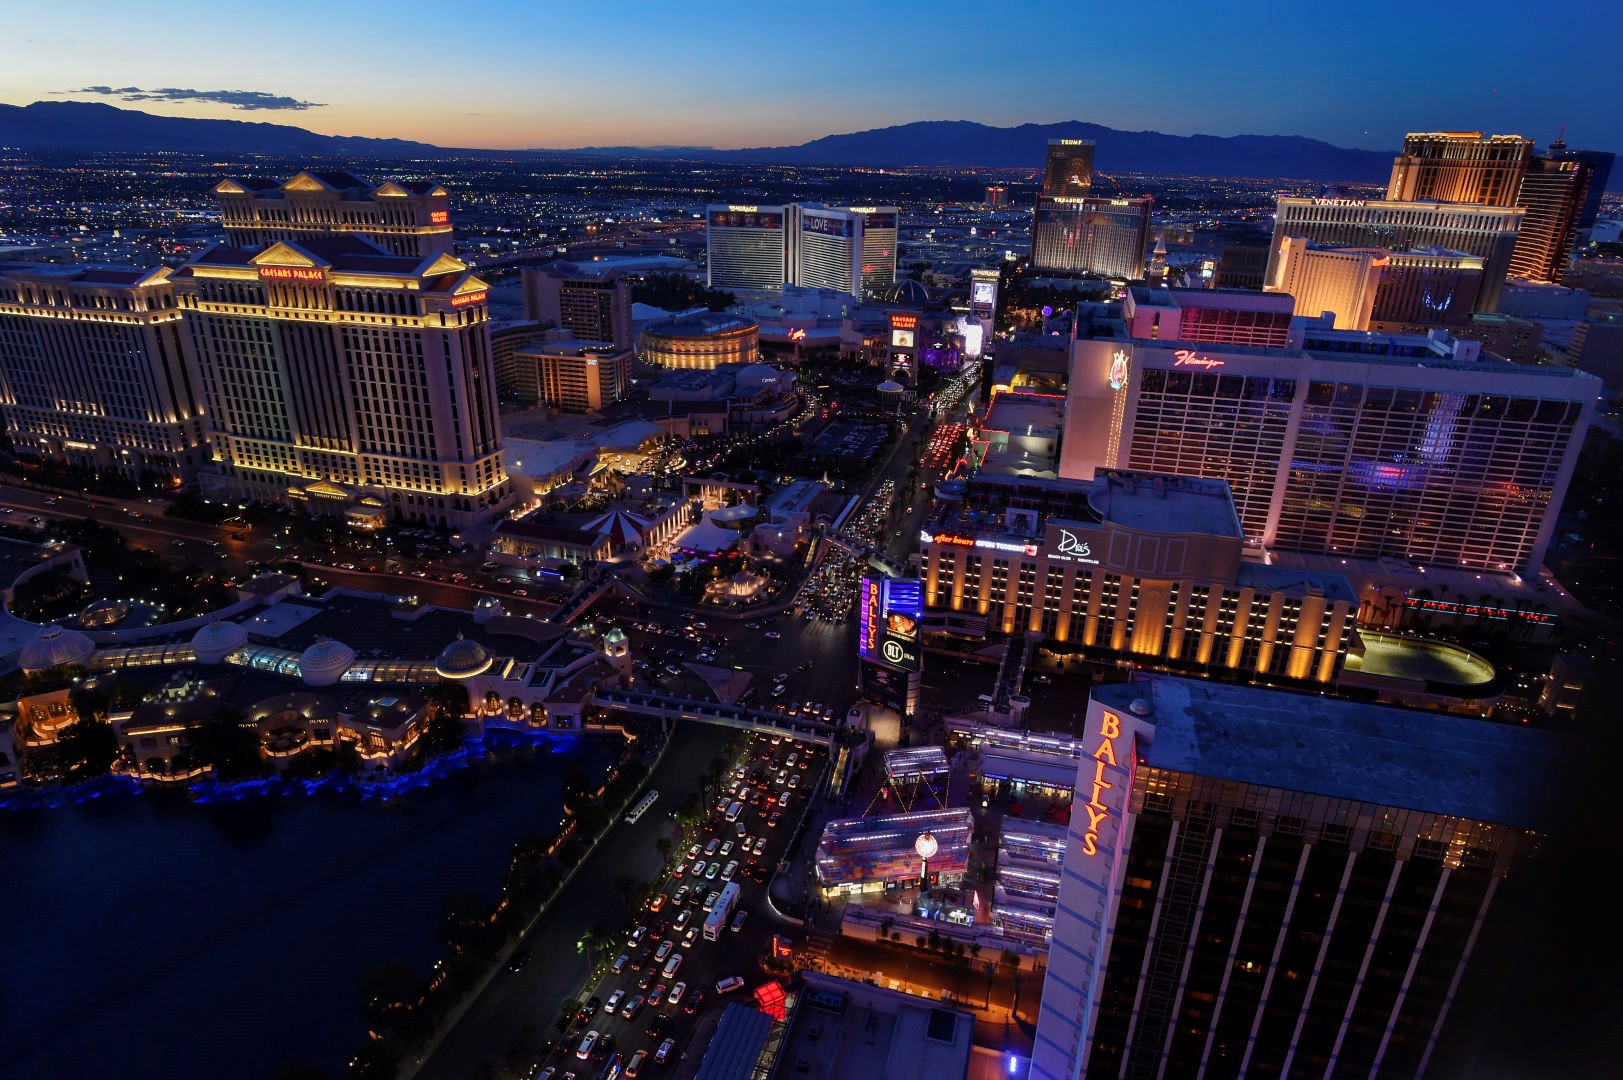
(901, 321)
(1118, 370)
(1480, 611)
(1110, 728)
(439, 217)
(292, 273)
(947, 538)
(1190, 358)
(468, 298)
(1070, 545)
(1338, 202)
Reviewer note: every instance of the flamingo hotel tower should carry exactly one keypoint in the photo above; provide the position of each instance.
(344, 354)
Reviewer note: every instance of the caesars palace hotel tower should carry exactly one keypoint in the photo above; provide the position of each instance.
(344, 354)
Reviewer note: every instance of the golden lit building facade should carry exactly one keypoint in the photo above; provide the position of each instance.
(347, 380)
(1340, 281)
(403, 217)
(575, 378)
(700, 341)
(1460, 167)
(92, 370)
(1129, 567)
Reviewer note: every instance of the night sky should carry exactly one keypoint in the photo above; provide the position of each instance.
(521, 73)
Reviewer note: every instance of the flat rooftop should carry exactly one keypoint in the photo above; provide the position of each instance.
(847, 1030)
(1026, 414)
(1407, 758)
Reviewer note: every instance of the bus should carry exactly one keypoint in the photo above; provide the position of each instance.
(642, 806)
(716, 921)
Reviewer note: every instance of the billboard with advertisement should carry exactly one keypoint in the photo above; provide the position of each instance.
(889, 614)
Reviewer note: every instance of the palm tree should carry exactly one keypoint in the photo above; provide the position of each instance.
(663, 845)
(628, 888)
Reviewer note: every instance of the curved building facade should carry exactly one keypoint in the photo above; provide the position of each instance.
(700, 341)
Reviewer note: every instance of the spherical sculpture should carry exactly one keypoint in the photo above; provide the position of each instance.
(926, 846)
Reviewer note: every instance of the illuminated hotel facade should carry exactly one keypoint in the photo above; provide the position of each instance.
(1108, 237)
(847, 249)
(1129, 566)
(1487, 232)
(345, 379)
(1460, 167)
(1358, 445)
(93, 371)
(1235, 901)
(411, 218)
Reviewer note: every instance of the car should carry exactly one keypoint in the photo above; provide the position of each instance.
(738, 921)
(729, 984)
(634, 1066)
(740, 825)
(646, 979)
(760, 845)
(673, 965)
(665, 949)
(727, 847)
(772, 821)
(658, 1024)
(690, 937)
(711, 871)
(657, 903)
(517, 961)
(614, 1001)
(694, 1002)
(605, 1047)
(693, 852)
(680, 871)
(547, 1073)
(676, 993)
(729, 870)
(631, 1007)
(665, 1051)
(587, 1045)
(681, 898)
(793, 780)
(657, 931)
(779, 690)
(589, 1010)
(699, 868)
(710, 848)
(682, 918)
(657, 994)
(710, 901)
(638, 934)
(773, 635)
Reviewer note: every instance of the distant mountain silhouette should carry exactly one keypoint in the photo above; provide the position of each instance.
(91, 125)
(87, 126)
(964, 144)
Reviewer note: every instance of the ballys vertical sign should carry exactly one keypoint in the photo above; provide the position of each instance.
(1110, 730)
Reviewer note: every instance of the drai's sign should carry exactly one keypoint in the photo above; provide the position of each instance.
(1068, 545)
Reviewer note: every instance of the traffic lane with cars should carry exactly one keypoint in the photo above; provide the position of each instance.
(533, 996)
(704, 963)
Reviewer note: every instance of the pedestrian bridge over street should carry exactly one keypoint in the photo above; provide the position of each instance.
(665, 707)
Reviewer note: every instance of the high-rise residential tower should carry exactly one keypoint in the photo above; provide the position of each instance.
(403, 217)
(747, 247)
(1263, 884)
(592, 303)
(93, 373)
(1561, 196)
(1069, 168)
(1460, 167)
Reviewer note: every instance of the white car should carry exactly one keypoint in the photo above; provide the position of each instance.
(664, 950)
(729, 870)
(587, 1045)
(613, 1003)
(675, 996)
(727, 847)
(728, 985)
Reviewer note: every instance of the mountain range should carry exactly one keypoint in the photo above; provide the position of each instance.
(70, 126)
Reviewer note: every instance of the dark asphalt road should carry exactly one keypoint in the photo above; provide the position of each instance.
(534, 995)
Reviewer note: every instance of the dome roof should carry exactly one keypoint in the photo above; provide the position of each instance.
(463, 659)
(104, 613)
(322, 663)
(55, 647)
(216, 640)
(890, 387)
(906, 291)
